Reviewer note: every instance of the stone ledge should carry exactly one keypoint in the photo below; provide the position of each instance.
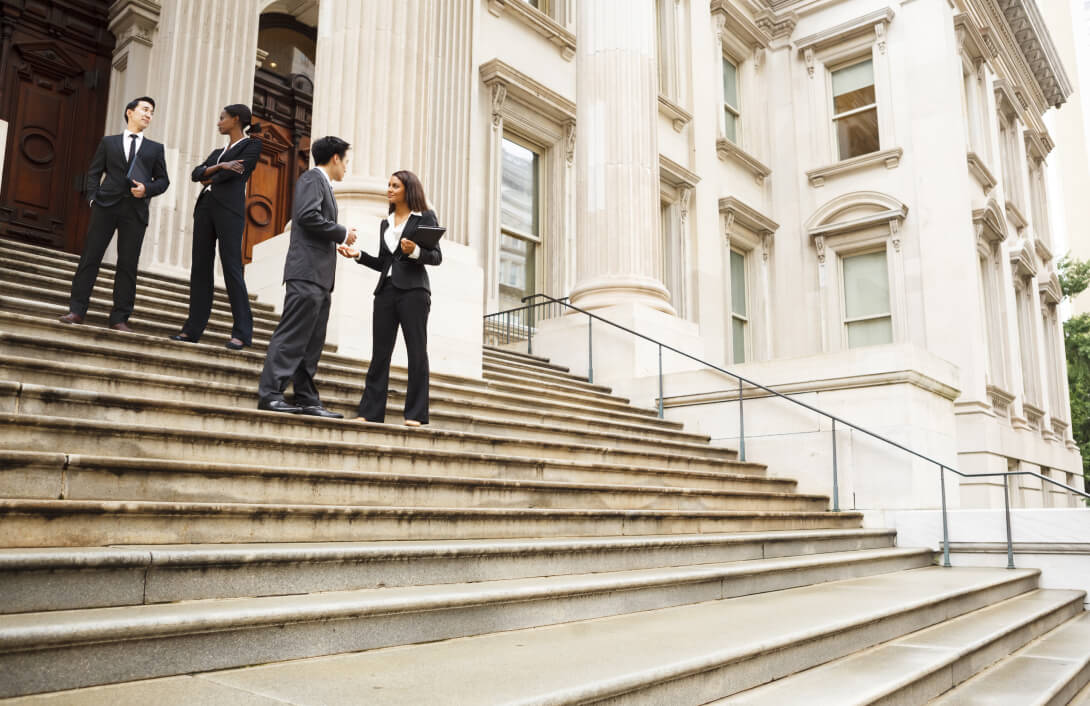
(675, 113)
(891, 158)
(980, 172)
(729, 150)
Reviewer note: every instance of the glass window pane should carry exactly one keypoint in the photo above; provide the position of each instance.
(730, 125)
(519, 188)
(737, 283)
(516, 270)
(730, 83)
(738, 332)
(853, 80)
(857, 134)
(871, 332)
(866, 285)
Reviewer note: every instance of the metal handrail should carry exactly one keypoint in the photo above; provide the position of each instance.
(742, 381)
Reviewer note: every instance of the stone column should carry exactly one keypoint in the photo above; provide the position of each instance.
(617, 164)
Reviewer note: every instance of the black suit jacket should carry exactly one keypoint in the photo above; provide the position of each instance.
(112, 160)
(406, 272)
(315, 233)
(228, 188)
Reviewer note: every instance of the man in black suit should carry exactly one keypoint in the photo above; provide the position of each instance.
(135, 171)
(309, 270)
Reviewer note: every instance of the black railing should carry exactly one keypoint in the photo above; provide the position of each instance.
(542, 306)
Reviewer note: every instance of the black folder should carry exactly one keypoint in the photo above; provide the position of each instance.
(427, 236)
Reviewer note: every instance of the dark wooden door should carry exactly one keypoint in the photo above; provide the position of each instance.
(53, 89)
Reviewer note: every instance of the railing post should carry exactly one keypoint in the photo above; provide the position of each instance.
(507, 328)
(530, 330)
(945, 527)
(836, 486)
(660, 381)
(1007, 510)
(741, 426)
(590, 351)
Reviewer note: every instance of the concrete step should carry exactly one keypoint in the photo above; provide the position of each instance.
(1082, 698)
(47, 475)
(927, 663)
(186, 422)
(35, 276)
(33, 254)
(60, 650)
(465, 410)
(689, 654)
(75, 523)
(1049, 671)
(498, 354)
(94, 577)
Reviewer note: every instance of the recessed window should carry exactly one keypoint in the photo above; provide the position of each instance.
(519, 223)
(855, 110)
(730, 100)
(739, 314)
(866, 300)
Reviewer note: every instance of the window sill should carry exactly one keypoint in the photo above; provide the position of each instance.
(675, 113)
(539, 22)
(980, 172)
(728, 150)
(891, 158)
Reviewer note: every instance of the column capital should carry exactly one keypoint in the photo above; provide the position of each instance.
(134, 21)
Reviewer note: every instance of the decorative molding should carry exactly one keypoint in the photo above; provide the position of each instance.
(736, 22)
(1023, 263)
(1049, 289)
(1034, 416)
(560, 36)
(970, 38)
(887, 210)
(676, 175)
(569, 141)
(890, 158)
(134, 21)
(865, 24)
(739, 212)
(990, 224)
(728, 150)
(520, 88)
(1038, 144)
(1006, 99)
(685, 197)
(499, 96)
(980, 172)
(1001, 400)
(778, 26)
(1044, 254)
(1015, 216)
(674, 112)
(819, 245)
(1036, 47)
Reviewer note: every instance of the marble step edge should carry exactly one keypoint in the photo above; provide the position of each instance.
(581, 386)
(546, 417)
(951, 651)
(500, 359)
(22, 460)
(26, 631)
(18, 249)
(550, 412)
(814, 642)
(500, 352)
(175, 410)
(1048, 647)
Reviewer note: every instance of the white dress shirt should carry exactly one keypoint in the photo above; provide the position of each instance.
(393, 237)
(126, 140)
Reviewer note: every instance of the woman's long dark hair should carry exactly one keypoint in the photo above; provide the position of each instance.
(244, 115)
(414, 191)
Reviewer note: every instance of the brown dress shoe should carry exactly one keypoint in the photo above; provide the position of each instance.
(122, 326)
(71, 318)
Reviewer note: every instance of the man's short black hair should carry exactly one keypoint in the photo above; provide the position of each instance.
(135, 102)
(324, 148)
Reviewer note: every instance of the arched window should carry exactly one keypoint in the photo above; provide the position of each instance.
(289, 45)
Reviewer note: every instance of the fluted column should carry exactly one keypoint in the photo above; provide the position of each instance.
(371, 89)
(617, 164)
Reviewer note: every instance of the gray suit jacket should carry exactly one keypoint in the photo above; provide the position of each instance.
(315, 233)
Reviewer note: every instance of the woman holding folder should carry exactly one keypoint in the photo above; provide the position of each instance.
(402, 298)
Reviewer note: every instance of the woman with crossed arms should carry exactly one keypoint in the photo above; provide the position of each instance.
(402, 298)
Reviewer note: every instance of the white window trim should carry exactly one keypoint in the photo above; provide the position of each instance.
(749, 232)
(676, 187)
(866, 248)
(991, 231)
(744, 44)
(550, 23)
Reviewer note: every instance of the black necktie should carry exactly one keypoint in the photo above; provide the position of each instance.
(132, 155)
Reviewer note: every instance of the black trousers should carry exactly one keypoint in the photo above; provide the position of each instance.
(407, 308)
(212, 222)
(296, 344)
(129, 219)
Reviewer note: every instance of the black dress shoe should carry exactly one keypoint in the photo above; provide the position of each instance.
(122, 326)
(320, 411)
(234, 344)
(279, 406)
(182, 337)
(71, 318)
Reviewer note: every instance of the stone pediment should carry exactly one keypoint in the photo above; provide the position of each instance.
(49, 59)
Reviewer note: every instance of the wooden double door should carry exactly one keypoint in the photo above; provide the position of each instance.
(54, 73)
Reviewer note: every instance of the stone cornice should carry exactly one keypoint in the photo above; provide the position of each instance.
(538, 21)
(890, 158)
(990, 224)
(747, 216)
(1023, 262)
(1006, 99)
(676, 175)
(1050, 289)
(970, 37)
(1038, 145)
(777, 25)
(728, 150)
(980, 172)
(1017, 218)
(1035, 44)
(741, 26)
(845, 30)
(1044, 254)
(521, 88)
(678, 116)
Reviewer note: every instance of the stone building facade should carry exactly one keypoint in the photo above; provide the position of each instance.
(846, 199)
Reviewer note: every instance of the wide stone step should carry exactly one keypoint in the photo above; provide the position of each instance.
(73, 523)
(927, 663)
(500, 355)
(689, 654)
(92, 577)
(1049, 671)
(472, 410)
(574, 386)
(51, 651)
(186, 422)
(27, 253)
(46, 475)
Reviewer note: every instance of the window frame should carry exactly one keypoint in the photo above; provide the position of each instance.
(735, 110)
(745, 319)
(536, 240)
(834, 116)
(845, 323)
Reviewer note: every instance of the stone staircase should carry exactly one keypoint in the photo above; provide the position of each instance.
(543, 541)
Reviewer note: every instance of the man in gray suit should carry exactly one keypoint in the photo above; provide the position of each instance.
(296, 345)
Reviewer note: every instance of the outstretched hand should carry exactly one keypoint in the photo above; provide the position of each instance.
(348, 252)
(350, 236)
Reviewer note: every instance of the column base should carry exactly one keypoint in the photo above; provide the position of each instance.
(602, 292)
